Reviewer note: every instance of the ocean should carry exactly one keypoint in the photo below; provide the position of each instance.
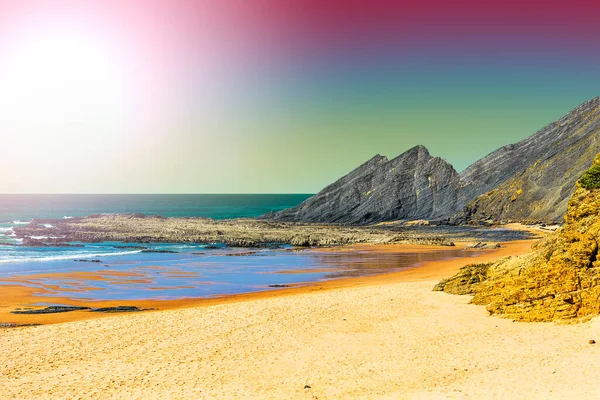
(24, 207)
(20, 209)
(160, 271)
(195, 271)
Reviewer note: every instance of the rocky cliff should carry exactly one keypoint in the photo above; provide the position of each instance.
(559, 279)
(527, 181)
(413, 185)
(532, 180)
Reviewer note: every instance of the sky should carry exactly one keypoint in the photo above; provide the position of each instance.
(275, 96)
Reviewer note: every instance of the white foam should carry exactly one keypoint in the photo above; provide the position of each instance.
(48, 226)
(21, 222)
(67, 217)
(68, 257)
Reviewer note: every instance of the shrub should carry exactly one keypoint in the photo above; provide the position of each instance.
(591, 178)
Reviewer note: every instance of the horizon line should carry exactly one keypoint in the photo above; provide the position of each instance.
(148, 194)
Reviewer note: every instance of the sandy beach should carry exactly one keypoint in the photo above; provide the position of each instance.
(275, 199)
(376, 337)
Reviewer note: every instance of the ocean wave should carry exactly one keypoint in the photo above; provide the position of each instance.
(20, 222)
(68, 217)
(67, 257)
(48, 226)
(5, 230)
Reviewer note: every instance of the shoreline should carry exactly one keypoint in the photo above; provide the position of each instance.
(387, 339)
(13, 296)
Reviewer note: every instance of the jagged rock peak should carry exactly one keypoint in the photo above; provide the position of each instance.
(418, 150)
(584, 107)
(413, 185)
(376, 159)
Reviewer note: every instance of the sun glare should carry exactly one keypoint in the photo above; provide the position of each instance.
(61, 76)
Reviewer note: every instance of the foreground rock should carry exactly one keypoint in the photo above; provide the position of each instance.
(118, 309)
(559, 279)
(50, 310)
(63, 309)
(9, 325)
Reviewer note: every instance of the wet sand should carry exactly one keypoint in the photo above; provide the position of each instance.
(387, 337)
(19, 295)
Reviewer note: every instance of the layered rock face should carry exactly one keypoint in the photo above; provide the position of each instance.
(413, 185)
(532, 180)
(529, 181)
(559, 279)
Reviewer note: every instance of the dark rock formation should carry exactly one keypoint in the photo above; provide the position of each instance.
(50, 310)
(529, 181)
(413, 185)
(117, 309)
(532, 180)
(5, 325)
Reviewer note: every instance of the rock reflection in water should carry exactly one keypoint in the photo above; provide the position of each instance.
(187, 275)
(361, 263)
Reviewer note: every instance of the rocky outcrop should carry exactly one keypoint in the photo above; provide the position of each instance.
(531, 181)
(558, 280)
(252, 233)
(412, 186)
(50, 310)
(467, 279)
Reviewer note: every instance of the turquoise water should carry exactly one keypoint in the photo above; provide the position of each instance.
(20, 209)
(25, 207)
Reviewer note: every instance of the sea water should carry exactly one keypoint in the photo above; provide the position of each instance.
(129, 271)
(196, 271)
(17, 209)
(22, 208)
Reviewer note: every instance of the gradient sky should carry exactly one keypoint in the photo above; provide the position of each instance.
(275, 96)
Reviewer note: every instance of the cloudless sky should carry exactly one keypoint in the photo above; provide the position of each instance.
(275, 96)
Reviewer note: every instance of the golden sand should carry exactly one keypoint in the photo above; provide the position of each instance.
(373, 337)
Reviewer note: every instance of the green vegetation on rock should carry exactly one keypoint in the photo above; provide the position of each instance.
(591, 179)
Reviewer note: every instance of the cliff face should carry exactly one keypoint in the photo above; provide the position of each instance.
(558, 279)
(532, 180)
(413, 185)
(529, 181)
